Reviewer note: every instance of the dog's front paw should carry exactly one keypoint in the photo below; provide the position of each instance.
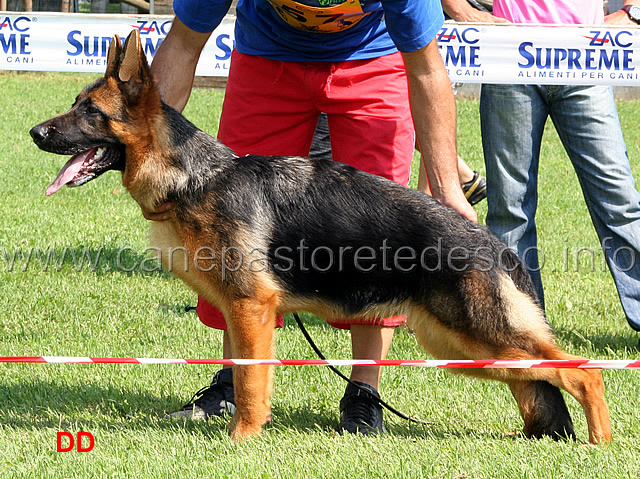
(241, 430)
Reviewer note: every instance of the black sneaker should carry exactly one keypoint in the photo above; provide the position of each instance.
(360, 412)
(214, 400)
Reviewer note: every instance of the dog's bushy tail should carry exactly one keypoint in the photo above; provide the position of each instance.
(518, 273)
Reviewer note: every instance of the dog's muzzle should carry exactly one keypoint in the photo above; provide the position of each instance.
(39, 133)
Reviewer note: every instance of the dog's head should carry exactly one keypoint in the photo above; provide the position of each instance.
(103, 123)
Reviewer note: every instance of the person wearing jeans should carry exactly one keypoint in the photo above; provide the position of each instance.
(512, 121)
(597, 150)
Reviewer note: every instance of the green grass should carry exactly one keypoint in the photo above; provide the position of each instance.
(66, 310)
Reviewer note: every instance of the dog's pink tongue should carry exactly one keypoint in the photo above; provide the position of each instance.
(68, 172)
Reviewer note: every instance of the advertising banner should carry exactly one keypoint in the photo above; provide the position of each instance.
(546, 54)
(79, 42)
(473, 53)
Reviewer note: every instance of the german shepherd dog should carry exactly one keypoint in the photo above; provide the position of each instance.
(262, 236)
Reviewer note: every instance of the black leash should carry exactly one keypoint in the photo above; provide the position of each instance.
(335, 370)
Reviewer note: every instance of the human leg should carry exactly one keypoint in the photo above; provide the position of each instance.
(261, 121)
(369, 342)
(321, 144)
(360, 412)
(512, 120)
(587, 122)
(371, 129)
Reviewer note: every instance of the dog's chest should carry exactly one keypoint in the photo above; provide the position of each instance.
(170, 247)
(183, 255)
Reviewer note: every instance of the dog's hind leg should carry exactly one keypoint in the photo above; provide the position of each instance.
(542, 409)
(531, 338)
(489, 318)
(587, 387)
(541, 404)
(251, 324)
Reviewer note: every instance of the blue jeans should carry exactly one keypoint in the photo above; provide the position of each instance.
(512, 119)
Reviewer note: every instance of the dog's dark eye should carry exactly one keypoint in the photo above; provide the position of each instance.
(92, 110)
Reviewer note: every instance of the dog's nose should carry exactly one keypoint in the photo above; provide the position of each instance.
(39, 133)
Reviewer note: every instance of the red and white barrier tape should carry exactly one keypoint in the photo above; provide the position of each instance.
(464, 363)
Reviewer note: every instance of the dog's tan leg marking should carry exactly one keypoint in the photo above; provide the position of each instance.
(524, 394)
(587, 387)
(251, 325)
(542, 409)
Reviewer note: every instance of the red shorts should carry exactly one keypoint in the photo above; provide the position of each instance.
(271, 107)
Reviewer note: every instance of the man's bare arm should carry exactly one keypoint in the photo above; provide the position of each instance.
(174, 64)
(434, 115)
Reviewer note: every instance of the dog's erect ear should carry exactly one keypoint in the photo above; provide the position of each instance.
(113, 56)
(134, 71)
(134, 63)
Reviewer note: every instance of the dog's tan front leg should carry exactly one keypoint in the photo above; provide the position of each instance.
(251, 325)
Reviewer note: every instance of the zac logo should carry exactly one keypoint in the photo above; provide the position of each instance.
(14, 39)
(608, 38)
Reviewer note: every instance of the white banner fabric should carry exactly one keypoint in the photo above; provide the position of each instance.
(77, 42)
(541, 54)
(473, 53)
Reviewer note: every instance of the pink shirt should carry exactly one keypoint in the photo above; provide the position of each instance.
(585, 12)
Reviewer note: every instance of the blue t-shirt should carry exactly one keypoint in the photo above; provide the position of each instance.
(320, 30)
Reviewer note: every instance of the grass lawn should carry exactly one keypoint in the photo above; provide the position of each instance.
(119, 304)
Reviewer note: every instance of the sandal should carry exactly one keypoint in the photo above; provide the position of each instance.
(475, 190)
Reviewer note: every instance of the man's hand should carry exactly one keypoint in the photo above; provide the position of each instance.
(162, 213)
(461, 205)
(462, 11)
(450, 194)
